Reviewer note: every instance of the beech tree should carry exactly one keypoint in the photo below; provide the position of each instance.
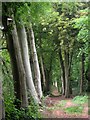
(24, 100)
(11, 50)
(25, 55)
(48, 50)
(82, 39)
(61, 32)
(37, 75)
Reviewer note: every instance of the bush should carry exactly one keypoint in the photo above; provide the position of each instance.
(12, 113)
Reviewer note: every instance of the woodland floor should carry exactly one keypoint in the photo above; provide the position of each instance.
(51, 111)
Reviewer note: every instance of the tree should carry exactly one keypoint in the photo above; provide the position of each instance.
(65, 34)
(22, 76)
(25, 55)
(82, 73)
(37, 75)
(43, 74)
(82, 39)
(11, 33)
(55, 38)
(11, 50)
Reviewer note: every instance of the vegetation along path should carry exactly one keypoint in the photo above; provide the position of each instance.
(60, 107)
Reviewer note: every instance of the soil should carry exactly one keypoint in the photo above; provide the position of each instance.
(60, 113)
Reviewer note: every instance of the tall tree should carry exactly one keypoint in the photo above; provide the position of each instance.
(35, 63)
(82, 73)
(11, 51)
(25, 55)
(14, 40)
(22, 75)
(63, 72)
(43, 74)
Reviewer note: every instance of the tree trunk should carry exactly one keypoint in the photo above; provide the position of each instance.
(62, 88)
(11, 50)
(36, 64)
(49, 74)
(43, 74)
(66, 63)
(82, 73)
(2, 108)
(14, 50)
(15, 71)
(63, 72)
(25, 55)
(22, 76)
(42, 69)
(87, 74)
(0, 100)
(58, 86)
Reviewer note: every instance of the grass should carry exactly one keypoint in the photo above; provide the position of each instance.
(62, 103)
(74, 109)
(80, 100)
(51, 108)
(59, 105)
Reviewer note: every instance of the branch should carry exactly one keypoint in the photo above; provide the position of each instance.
(3, 48)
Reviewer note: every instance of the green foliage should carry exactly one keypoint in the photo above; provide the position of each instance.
(74, 109)
(51, 108)
(12, 113)
(56, 25)
(80, 100)
(10, 110)
(82, 24)
(33, 110)
(62, 103)
(58, 106)
(65, 28)
(8, 84)
(34, 11)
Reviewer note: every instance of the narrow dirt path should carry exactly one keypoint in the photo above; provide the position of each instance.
(51, 111)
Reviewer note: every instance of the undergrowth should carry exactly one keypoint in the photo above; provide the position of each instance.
(74, 109)
(80, 100)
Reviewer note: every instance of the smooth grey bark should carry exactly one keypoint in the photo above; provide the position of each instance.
(11, 51)
(35, 63)
(25, 56)
(63, 89)
(43, 73)
(22, 76)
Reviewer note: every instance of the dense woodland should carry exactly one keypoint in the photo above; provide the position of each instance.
(44, 47)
